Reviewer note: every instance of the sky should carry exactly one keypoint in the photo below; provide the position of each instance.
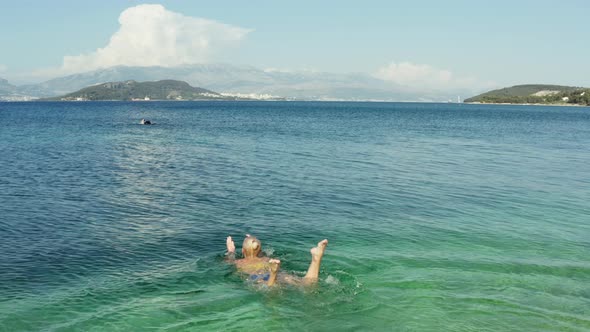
(422, 42)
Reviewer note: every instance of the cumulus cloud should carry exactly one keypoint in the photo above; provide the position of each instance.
(151, 35)
(407, 73)
(426, 76)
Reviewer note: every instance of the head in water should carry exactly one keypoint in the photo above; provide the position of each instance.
(251, 247)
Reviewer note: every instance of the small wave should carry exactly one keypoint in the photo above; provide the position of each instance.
(331, 280)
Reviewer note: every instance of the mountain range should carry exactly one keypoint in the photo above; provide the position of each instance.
(225, 78)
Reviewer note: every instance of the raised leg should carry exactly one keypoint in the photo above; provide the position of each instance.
(316, 259)
(274, 270)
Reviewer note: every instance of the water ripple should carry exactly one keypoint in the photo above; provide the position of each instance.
(472, 217)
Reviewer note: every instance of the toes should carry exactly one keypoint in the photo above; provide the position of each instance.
(323, 243)
(274, 265)
(319, 250)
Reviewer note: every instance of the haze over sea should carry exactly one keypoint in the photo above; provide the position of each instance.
(448, 217)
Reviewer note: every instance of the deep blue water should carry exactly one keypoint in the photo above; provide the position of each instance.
(440, 216)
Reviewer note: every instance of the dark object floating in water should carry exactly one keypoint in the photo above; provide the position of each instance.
(145, 122)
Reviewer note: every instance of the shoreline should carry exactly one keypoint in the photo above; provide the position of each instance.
(287, 100)
(525, 104)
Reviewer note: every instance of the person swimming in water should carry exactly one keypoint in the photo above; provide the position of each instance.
(266, 270)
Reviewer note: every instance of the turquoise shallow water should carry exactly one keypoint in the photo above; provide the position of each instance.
(440, 216)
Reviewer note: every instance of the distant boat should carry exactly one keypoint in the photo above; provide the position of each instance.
(145, 122)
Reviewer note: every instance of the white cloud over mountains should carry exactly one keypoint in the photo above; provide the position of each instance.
(426, 76)
(151, 35)
(407, 73)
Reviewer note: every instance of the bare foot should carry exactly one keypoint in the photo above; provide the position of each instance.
(231, 247)
(274, 265)
(318, 252)
(274, 268)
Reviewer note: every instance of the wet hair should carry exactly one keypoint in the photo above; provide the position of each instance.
(251, 247)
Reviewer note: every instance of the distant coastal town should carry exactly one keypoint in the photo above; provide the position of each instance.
(178, 90)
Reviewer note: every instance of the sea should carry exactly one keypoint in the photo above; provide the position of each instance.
(440, 217)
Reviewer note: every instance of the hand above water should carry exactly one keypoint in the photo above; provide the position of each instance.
(231, 247)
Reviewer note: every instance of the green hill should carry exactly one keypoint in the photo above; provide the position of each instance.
(132, 90)
(535, 94)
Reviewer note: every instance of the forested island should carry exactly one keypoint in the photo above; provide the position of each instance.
(135, 91)
(535, 94)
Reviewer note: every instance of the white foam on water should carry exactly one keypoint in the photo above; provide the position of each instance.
(330, 280)
(268, 251)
